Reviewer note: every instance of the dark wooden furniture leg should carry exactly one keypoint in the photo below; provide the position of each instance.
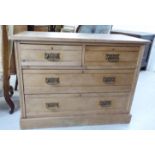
(7, 89)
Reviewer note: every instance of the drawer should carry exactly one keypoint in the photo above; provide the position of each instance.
(50, 55)
(75, 104)
(111, 57)
(73, 81)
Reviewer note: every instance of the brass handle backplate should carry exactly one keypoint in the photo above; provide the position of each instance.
(106, 103)
(52, 81)
(109, 80)
(112, 57)
(52, 56)
(52, 105)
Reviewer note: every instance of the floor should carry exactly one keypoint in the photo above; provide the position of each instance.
(143, 110)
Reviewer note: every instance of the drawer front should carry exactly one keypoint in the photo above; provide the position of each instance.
(75, 104)
(57, 82)
(50, 55)
(111, 57)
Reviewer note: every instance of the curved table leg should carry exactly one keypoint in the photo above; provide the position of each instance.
(9, 102)
(7, 89)
(8, 93)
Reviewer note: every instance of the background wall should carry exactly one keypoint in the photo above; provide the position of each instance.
(142, 28)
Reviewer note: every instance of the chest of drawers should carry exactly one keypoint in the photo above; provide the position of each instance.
(70, 79)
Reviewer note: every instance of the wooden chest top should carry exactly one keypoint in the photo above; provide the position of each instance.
(77, 37)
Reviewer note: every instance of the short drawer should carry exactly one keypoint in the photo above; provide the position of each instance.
(50, 55)
(75, 104)
(73, 81)
(111, 57)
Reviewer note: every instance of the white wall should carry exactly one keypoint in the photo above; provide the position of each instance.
(140, 28)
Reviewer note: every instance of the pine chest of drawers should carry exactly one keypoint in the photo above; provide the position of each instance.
(76, 79)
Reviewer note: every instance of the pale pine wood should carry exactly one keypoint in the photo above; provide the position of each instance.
(140, 57)
(46, 122)
(45, 67)
(49, 71)
(34, 55)
(74, 104)
(76, 79)
(76, 37)
(51, 47)
(83, 56)
(79, 86)
(20, 80)
(112, 47)
(35, 82)
(78, 70)
(76, 89)
(44, 64)
(95, 56)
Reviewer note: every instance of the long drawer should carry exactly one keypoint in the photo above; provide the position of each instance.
(76, 81)
(75, 104)
(111, 57)
(50, 55)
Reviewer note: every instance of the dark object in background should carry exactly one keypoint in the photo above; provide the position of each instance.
(142, 35)
(105, 29)
(30, 27)
(46, 28)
